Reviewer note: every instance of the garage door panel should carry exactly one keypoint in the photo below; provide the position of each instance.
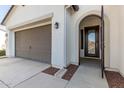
(34, 43)
(44, 57)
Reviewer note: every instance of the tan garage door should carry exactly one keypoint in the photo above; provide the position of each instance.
(34, 43)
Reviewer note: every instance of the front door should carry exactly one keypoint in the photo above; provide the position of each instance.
(92, 41)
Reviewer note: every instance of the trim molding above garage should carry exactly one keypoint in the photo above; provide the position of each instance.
(41, 21)
(33, 25)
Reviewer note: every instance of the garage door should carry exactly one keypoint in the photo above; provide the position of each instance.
(34, 43)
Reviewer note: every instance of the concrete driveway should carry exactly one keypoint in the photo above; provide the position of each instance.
(16, 70)
(23, 73)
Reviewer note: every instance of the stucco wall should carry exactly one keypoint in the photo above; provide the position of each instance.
(27, 13)
(121, 43)
(68, 37)
(113, 15)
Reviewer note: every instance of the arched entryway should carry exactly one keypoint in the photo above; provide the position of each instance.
(76, 34)
(89, 38)
(89, 44)
(92, 21)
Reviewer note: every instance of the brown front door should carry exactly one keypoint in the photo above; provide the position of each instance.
(92, 41)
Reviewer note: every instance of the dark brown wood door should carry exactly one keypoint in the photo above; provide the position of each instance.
(92, 41)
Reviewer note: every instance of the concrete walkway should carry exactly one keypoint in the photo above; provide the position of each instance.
(88, 75)
(22, 73)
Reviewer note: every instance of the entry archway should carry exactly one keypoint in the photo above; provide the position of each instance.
(89, 37)
(107, 35)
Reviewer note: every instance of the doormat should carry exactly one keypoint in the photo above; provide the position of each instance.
(115, 80)
(50, 70)
(71, 69)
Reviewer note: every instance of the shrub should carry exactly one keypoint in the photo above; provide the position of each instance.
(2, 52)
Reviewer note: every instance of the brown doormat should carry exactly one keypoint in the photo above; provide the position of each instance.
(115, 80)
(50, 70)
(71, 69)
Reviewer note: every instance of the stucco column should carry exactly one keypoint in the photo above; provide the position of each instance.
(121, 41)
(10, 44)
(58, 38)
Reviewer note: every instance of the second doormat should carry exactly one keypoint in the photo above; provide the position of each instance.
(71, 69)
(50, 70)
(115, 80)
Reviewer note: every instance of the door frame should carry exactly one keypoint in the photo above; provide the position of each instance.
(96, 39)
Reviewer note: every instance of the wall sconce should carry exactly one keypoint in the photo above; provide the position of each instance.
(56, 25)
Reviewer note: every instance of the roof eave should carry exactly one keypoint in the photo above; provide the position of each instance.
(2, 23)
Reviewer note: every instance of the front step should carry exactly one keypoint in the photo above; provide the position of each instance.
(60, 73)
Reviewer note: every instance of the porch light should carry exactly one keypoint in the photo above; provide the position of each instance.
(56, 25)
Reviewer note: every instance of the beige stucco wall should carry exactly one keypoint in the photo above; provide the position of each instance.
(23, 15)
(121, 39)
(113, 15)
(68, 36)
